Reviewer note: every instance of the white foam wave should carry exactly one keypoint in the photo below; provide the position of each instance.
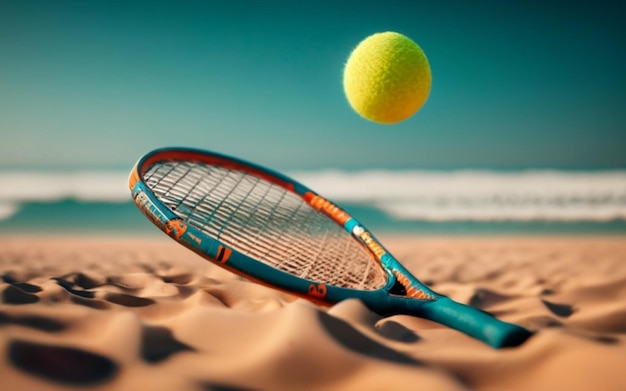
(20, 187)
(405, 195)
(480, 195)
(7, 210)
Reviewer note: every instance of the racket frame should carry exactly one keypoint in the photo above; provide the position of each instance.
(403, 293)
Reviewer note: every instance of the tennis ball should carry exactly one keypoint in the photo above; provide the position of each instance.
(387, 78)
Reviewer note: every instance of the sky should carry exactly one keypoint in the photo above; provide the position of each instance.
(516, 84)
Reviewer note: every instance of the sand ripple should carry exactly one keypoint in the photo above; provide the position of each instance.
(148, 314)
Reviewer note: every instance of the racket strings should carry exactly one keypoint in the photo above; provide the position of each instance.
(265, 222)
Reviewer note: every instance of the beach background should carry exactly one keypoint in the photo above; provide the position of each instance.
(506, 191)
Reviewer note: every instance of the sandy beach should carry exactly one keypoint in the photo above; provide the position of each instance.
(131, 314)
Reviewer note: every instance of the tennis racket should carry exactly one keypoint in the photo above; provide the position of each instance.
(273, 230)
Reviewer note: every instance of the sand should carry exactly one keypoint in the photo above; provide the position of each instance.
(132, 314)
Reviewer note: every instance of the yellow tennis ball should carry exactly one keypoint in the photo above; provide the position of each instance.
(387, 78)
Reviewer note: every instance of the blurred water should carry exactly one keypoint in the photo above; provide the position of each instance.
(460, 201)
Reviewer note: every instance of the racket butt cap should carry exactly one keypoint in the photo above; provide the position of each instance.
(515, 337)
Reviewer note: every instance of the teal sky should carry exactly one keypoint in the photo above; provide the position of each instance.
(515, 83)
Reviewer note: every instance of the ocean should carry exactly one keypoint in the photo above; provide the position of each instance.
(453, 202)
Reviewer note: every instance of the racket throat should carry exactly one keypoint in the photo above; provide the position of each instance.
(408, 286)
(397, 289)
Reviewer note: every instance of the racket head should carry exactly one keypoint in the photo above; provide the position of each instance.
(267, 227)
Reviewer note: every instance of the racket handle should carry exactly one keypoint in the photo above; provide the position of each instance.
(474, 322)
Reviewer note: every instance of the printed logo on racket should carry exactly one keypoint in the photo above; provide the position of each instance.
(318, 290)
(369, 241)
(330, 209)
(149, 209)
(223, 253)
(175, 228)
(194, 238)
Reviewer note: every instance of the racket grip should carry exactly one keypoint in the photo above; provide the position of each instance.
(474, 322)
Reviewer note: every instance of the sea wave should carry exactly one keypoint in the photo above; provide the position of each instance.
(463, 195)
(470, 195)
(20, 187)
